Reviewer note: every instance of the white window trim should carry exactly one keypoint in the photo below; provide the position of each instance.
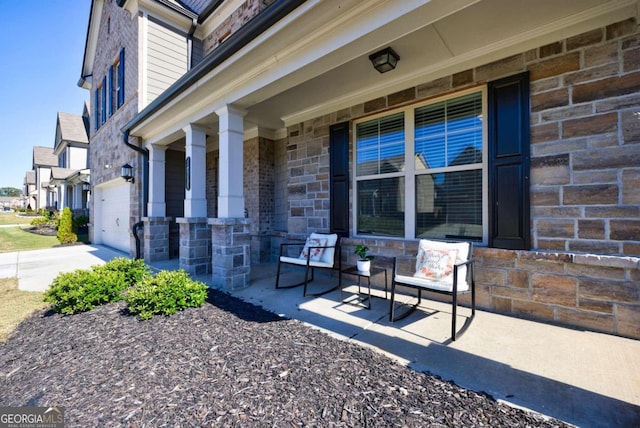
(409, 117)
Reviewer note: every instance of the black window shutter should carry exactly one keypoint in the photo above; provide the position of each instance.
(509, 216)
(121, 79)
(339, 178)
(96, 109)
(110, 91)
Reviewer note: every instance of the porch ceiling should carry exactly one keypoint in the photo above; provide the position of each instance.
(292, 73)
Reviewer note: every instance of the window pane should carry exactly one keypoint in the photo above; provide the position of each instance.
(449, 133)
(449, 205)
(381, 207)
(380, 145)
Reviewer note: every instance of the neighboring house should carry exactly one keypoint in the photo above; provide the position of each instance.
(29, 191)
(71, 176)
(45, 194)
(249, 122)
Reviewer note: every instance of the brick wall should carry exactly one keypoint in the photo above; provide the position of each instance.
(583, 269)
(107, 150)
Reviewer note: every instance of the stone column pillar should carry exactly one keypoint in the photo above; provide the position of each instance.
(195, 245)
(156, 224)
(195, 233)
(231, 261)
(231, 135)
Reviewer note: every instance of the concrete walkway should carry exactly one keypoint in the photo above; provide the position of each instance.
(36, 269)
(581, 377)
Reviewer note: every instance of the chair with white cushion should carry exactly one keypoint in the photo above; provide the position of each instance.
(440, 267)
(320, 251)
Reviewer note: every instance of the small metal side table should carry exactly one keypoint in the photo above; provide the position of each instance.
(361, 299)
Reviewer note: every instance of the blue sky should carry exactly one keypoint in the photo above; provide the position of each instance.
(42, 42)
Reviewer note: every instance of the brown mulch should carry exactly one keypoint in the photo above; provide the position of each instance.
(42, 230)
(228, 363)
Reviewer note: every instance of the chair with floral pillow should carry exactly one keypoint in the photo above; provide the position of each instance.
(440, 267)
(320, 251)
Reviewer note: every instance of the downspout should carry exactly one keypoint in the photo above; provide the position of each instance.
(145, 188)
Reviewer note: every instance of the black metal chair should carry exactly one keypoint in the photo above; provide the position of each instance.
(319, 251)
(440, 267)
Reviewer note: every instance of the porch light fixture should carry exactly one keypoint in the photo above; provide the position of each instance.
(127, 173)
(384, 60)
(86, 186)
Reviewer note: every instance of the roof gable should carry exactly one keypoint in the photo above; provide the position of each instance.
(71, 128)
(43, 156)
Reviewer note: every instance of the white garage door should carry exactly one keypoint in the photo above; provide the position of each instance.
(114, 216)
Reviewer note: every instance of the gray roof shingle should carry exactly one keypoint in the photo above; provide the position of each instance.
(72, 128)
(43, 156)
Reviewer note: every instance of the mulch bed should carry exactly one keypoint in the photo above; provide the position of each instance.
(228, 363)
(42, 230)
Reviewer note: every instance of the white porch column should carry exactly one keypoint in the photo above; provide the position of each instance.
(156, 207)
(231, 133)
(62, 194)
(77, 196)
(195, 202)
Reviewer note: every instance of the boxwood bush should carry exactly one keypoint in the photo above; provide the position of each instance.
(82, 290)
(164, 294)
(133, 270)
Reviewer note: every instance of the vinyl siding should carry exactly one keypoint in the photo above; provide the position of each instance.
(167, 58)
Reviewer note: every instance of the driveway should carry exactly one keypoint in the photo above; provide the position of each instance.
(36, 269)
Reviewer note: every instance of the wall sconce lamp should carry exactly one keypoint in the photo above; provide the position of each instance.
(127, 173)
(86, 186)
(384, 60)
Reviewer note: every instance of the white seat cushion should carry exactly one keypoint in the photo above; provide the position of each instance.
(430, 284)
(303, 262)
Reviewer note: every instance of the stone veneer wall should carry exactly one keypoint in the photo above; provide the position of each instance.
(258, 181)
(107, 152)
(585, 172)
(233, 22)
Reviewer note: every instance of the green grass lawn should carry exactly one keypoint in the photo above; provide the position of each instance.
(14, 218)
(16, 239)
(16, 305)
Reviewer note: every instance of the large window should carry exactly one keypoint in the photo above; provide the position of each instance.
(421, 172)
(109, 96)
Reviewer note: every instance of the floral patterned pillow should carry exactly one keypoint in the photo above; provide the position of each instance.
(316, 253)
(435, 264)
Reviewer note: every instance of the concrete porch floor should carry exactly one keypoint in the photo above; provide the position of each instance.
(581, 377)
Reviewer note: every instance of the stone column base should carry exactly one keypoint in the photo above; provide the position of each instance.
(156, 238)
(195, 245)
(231, 259)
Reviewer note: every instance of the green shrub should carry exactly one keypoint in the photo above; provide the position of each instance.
(133, 270)
(65, 228)
(80, 221)
(164, 294)
(82, 290)
(39, 221)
